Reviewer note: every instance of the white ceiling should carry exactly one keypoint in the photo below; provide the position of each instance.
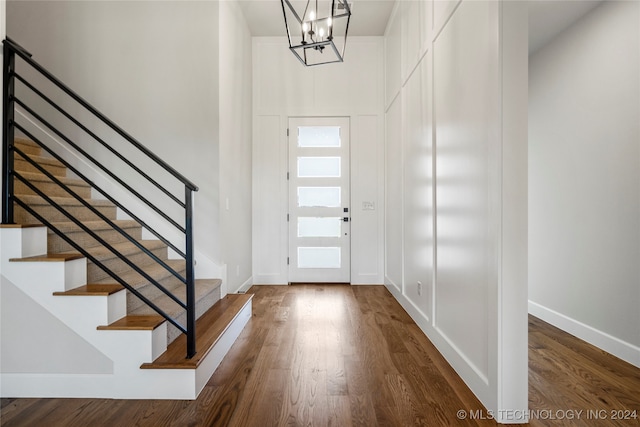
(547, 18)
(368, 17)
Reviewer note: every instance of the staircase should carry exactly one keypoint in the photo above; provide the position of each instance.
(138, 354)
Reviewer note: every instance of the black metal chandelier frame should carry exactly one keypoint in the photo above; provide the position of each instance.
(309, 39)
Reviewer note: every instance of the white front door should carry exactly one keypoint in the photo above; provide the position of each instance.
(319, 212)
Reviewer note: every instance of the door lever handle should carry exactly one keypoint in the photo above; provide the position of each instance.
(345, 219)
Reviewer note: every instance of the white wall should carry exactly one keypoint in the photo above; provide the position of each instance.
(584, 182)
(152, 67)
(283, 88)
(24, 340)
(236, 117)
(456, 183)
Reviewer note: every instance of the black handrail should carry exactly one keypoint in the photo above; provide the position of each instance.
(16, 46)
(10, 101)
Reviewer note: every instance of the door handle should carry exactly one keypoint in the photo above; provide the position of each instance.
(345, 219)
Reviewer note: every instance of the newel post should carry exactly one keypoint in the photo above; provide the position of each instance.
(8, 82)
(191, 290)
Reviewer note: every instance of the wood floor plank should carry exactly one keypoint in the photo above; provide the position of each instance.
(335, 355)
(196, 413)
(338, 411)
(269, 405)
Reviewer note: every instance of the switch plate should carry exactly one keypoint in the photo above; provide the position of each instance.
(368, 206)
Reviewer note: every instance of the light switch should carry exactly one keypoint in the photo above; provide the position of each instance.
(368, 206)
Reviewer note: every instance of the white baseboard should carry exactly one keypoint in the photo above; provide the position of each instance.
(619, 348)
(245, 286)
(475, 379)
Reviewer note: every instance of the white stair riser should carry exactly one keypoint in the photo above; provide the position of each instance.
(32, 241)
(54, 276)
(138, 383)
(107, 308)
(127, 350)
(39, 280)
(84, 314)
(22, 242)
(130, 349)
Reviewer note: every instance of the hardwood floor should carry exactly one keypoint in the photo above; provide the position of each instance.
(334, 355)
(568, 375)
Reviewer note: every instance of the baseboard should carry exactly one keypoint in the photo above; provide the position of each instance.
(245, 286)
(617, 347)
(475, 379)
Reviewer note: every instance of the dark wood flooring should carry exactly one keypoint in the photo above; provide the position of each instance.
(333, 355)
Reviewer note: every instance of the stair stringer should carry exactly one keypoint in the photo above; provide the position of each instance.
(127, 349)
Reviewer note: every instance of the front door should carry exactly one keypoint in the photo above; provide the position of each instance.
(319, 212)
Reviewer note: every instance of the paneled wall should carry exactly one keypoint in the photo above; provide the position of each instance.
(456, 185)
(284, 88)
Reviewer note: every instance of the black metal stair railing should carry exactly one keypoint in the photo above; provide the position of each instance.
(10, 100)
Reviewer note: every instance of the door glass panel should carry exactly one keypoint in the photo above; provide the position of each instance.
(319, 136)
(318, 183)
(318, 167)
(319, 227)
(327, 257)
(319, 197)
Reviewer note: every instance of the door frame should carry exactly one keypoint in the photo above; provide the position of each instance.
(347, 201)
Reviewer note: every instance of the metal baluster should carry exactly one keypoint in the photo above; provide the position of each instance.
(7, 134)
(191, 290)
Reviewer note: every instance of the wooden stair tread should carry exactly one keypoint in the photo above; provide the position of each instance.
(92, 290)
(49, 258)
(209, 328)
(134, 323)
(21, 225)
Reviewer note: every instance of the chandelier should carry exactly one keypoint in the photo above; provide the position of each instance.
(319, 34)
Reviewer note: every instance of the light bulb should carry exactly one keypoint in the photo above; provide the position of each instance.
(321, 32)
(312, 15)
(305, 27)
(328, 22)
